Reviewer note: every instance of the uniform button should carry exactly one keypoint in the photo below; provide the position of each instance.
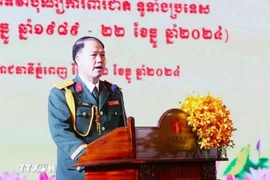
(115, 113)
(101, 113)
(84, 113)
(103, 128)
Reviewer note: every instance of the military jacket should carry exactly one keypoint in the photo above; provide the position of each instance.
(70, 130)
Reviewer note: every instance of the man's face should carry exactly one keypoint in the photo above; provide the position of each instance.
(91, 60)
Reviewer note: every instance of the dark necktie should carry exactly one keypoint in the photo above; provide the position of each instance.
(95, 93)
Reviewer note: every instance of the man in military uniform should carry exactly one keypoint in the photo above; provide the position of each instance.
(83, 109)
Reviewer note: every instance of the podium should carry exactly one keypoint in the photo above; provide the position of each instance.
(166, 152)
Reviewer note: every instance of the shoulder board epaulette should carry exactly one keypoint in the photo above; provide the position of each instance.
(111, 84)
(64, 84)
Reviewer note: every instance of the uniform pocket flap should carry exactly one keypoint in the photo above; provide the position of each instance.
(84, 111)
(115, 110)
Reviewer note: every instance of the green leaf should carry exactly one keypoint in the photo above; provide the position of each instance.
(238, 163)
(241, 175)
(249, 164)
(246, 169)
(229, 168)
(262, 163)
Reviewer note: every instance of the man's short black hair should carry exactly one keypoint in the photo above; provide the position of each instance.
(79, 44)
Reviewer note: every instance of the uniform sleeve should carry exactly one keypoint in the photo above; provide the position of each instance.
(59, 124)
(123, 117)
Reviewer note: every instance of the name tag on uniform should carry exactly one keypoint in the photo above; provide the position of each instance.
(113, 103)
(85, 104)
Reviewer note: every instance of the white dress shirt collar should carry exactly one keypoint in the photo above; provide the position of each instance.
(90, 85)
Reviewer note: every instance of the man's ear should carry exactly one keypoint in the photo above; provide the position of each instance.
(77, 60)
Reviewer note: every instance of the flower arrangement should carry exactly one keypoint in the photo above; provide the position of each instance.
(210, 120)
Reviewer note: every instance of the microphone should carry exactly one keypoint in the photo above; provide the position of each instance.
(115, 88)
